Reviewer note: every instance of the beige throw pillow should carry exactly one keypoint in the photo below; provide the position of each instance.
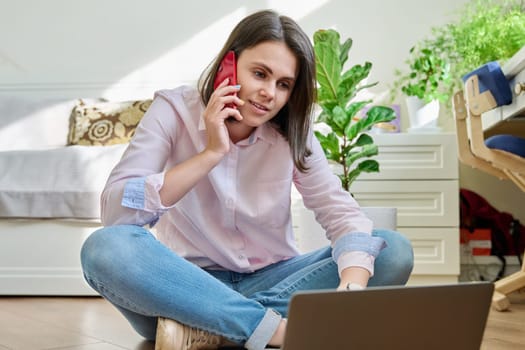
(105, 123)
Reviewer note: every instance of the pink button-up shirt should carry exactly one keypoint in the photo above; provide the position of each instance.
(238, 216)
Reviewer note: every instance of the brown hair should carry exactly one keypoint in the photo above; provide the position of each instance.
(293, 121)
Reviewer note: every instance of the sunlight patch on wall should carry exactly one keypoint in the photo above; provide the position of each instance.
(184, 63)
(181, 65)
(291, 8)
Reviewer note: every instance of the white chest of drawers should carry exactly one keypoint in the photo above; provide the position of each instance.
(419, 177)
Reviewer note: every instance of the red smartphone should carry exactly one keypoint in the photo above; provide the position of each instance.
(227, 69)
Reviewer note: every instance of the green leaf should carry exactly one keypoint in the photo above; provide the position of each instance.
(366, 151)
(330, 145)
(350, 82)
(340, 120)
(380, 114)
(366, 166)
(327, 52)
(364, 139)
(355, 107)
(376, 114)
(327, 106)
(366, 86)
(351, 112)
(369, 166)
(345, 47)
(328, 70)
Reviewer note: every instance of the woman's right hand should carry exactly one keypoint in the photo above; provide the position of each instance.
(183, 176)
(215, 114)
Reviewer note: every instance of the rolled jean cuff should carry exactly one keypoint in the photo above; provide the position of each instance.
(264, 331)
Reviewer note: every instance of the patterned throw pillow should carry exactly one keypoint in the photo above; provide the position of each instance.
(105, 123)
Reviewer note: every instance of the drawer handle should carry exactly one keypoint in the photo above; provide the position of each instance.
(519, 88)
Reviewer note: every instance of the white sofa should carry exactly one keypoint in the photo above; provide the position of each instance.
(49, 197)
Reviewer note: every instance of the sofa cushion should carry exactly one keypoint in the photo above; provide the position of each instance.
(57, 183)
(105, 123)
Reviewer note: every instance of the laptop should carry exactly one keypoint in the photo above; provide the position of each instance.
(414, 317)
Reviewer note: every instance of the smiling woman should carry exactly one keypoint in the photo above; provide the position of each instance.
(218, 193)
(266, 74)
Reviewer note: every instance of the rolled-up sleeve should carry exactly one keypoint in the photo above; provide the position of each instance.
(358, 241)
(357, 250)
(143, 194)
(131, 192)
(133, 196)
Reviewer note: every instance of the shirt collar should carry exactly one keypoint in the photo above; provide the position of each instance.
(202, 125)
(265, 132)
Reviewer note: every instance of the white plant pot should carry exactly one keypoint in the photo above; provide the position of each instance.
(423, 116)
(383, 217)
(311, 236)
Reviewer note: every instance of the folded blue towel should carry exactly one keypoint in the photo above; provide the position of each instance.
(491, 78)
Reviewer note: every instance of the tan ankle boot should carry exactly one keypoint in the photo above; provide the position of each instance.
(172, 335)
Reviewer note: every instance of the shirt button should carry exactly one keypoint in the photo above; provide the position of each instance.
(229, 203)
(241, 256)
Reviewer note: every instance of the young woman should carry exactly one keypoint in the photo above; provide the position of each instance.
(214, 180)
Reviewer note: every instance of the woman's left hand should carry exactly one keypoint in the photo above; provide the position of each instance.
(354, 277)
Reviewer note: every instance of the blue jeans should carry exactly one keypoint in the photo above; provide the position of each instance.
(144, 279)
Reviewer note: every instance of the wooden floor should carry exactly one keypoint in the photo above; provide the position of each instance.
(52, 323)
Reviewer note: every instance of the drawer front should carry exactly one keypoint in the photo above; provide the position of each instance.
(436, 250)
(415, 156)
(418, 203)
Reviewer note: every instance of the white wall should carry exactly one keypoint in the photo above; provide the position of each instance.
(128, 48)
(96, 45)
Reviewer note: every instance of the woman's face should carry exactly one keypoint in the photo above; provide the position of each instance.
(267, 73)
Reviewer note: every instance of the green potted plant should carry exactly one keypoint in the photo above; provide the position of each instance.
(426, 83)
(347, 143)
(428, 73)
(486, 30)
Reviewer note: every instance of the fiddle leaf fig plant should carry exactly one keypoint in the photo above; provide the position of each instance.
(347, 143)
